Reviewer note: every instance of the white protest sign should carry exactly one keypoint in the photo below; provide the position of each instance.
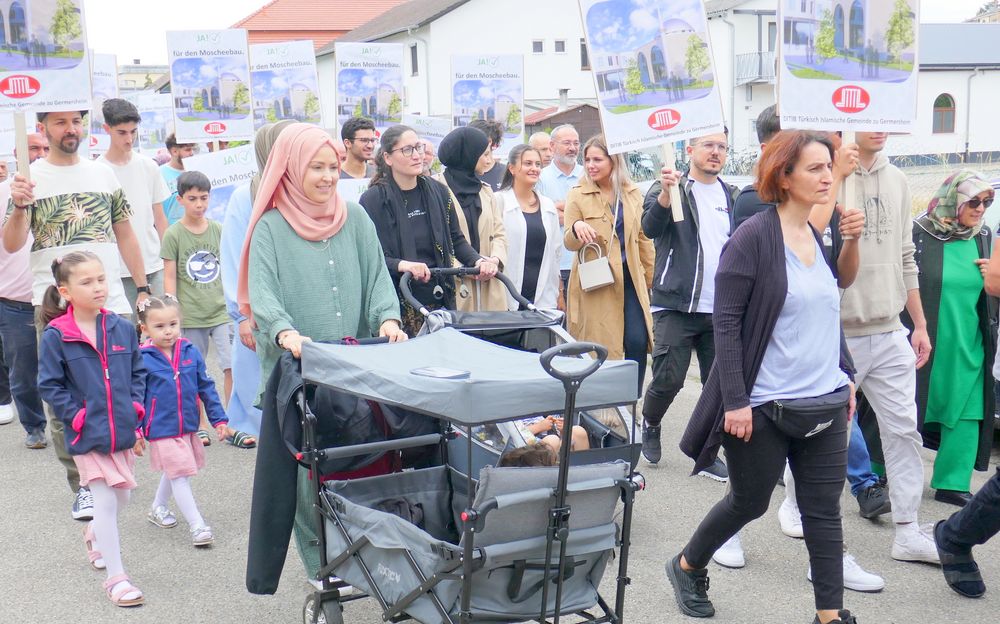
(370, 82)
(283, 82)
(156, 110)
(653, 71)
(226, 169)
(849, 66)
(431, 128)
(43, 56)
(490, 87)
(210, 85)
(104, 86)
(6, 136)
(351, 189)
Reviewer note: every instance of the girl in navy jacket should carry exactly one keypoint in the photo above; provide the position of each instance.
(175, 379)
(91, 373)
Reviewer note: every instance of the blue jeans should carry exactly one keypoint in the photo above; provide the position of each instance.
(20, 356)
(859, 462)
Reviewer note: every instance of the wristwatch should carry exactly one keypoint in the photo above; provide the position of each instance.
(143, 289)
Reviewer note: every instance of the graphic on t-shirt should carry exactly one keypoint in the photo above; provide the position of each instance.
(76, 218)
(203, 267)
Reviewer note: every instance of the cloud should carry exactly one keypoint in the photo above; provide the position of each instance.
(368, 81)
(642, 20)
(207, 71)
(279, 83)
(485, 92)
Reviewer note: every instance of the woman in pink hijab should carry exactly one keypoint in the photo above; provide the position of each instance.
(312, 266)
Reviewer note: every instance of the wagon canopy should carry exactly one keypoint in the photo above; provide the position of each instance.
(495, 384)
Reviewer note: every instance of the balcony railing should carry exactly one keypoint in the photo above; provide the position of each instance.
(754, 67)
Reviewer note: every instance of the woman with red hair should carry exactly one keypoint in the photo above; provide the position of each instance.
(780, 388)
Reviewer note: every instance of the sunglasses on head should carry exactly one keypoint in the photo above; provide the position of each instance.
(975, 201)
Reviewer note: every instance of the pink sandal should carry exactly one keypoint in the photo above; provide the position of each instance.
(118, 596)
(96, 560)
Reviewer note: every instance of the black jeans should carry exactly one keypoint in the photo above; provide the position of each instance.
(975, 523)
(819, 464)
(636, 337)
(675, 334)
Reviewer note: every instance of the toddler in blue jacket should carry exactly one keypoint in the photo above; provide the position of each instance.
(91, 373)
(175, 379)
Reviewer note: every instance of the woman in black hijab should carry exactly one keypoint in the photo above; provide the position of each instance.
(466, 153)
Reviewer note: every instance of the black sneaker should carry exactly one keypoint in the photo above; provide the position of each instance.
(651, 448)
(36, 439)
(874, 501)
(717, 471)
(843, 617)
(690, 589)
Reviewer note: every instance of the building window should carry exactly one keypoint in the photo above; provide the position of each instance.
(772, 36)
(537, 46)
(560, 46)
(413, 60)
(584, 57)
(944, 114)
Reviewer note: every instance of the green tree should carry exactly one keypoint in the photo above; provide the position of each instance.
(696, 59)
(514, 118)
(825, 41)
(199, 104)
(357, 110)
(395, 109)
(241, 96)
(66, 25)
(148, 83)
(900, 33)
(633, 79)
(270, 115)
(311, 106)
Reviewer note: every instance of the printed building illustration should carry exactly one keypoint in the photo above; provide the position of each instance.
(216, 96)
(858, 25)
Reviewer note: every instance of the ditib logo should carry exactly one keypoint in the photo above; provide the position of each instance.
(93, 141)
(215, 127)
(19, 86)
(851, 99)
(664, 119)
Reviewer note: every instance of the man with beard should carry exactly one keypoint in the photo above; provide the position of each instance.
(687, 256)
(72, 204)
(358, 134)
(555, 181)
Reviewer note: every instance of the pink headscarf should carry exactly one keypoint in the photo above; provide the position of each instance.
(281, 188)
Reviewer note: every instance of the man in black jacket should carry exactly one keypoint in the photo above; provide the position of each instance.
(687, 255)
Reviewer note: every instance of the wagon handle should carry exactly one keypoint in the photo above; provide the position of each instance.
(573, 349)
(407, 292)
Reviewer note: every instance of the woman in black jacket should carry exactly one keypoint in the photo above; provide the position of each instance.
(417, 224)
(779, 352)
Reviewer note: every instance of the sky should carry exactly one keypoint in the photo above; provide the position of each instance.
(134, 29)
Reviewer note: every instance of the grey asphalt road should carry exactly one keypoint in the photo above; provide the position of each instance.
(45, 577)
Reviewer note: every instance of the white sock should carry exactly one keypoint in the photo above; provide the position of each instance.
(163, 493)
(184, 498)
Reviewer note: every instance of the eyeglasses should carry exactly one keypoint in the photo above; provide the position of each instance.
(713, 146)
(568, 143)
(409, 149)
(975, 202)
(365, 141)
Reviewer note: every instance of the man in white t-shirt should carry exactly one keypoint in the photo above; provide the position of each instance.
(72, 204)
(171, 171)
(144, 189)
(683, 295)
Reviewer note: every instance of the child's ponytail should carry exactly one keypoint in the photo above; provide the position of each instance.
(53, 305)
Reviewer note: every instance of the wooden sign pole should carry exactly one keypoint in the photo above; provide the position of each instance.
(851, 183)
(21, 144)
(670, 158)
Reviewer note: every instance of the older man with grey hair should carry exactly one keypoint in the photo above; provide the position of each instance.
(562, 174)
(542, 143)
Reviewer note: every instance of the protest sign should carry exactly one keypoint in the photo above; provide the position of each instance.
(210, 85)
(654, 75)
(848, 67)
(370, 82)
(43, 57)
(156, 110)
(490, 87)
(6, 136)
(103, 86)
(283, 82)
(431, 128)
(226, 169)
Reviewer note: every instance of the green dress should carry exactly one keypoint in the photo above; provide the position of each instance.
(955, 397)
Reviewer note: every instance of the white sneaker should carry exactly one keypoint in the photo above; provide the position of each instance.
(730, 554)
(6, 414)
(856, 578)
(914, 543)
(790, 519)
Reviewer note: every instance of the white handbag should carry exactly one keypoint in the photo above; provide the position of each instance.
(595, 273)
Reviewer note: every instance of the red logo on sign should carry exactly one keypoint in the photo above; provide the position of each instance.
(93, 141)
(215, 127)
(19, 86)
(664, 119)
(851, 99)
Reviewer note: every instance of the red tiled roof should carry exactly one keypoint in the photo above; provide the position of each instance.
(334, 15)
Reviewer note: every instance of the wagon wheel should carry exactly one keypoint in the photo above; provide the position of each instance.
(329, 612)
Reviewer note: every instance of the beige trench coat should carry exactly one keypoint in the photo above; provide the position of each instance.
(599, 315)
(492, 243)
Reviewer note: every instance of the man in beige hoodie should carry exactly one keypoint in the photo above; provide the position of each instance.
(885, 357)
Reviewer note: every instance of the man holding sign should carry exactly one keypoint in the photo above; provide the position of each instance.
(72, 204)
